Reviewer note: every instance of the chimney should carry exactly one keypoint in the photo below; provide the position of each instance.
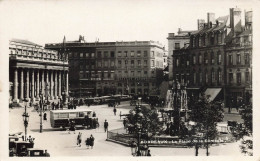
(235, 20)
(248, 17)
(179, 30)
(211, 18)
(201, 23)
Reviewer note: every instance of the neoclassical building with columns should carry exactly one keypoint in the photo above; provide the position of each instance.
(34, 70)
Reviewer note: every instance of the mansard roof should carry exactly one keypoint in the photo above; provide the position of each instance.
(222, 22)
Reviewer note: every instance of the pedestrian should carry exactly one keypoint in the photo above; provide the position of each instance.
(45, 116)
(124, 122)
(91, 141)
(105, 125)
(73, 126)
(79, 139)
(94, 114)
(87, 142)
(133, 147)
(114, 111)
(148, 153)
(46, 154)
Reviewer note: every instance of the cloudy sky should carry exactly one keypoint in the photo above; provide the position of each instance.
(48, 21)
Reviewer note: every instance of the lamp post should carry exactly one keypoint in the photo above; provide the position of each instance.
(138, 116)
(25, 120)
(41, 108)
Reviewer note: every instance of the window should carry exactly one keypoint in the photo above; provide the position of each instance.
(219, 58)
(145, 62)
(177, 62)
(238, 78)
(230, 77)
(247, 76)
(194, 78)
(206, 58)
(230, 59)
(132, 62)
(145, 72)
(132, 53)
(112, 63)
(125, 53)
(92, 55)
(177, 45)
(112, 54)
(105, 63)
(98, 54)
(194, 59)
(212, 58)
(219, 76)
(119, 63)
(126, 62)
(200, 77)
(139, 62)
(200, 58)
(146, 84)
(152, 54)
(152, 64)
(81, 55)
(145, 54)
(212, 76)
(105, 54)
(119, 84)
(138, 53)
(119, 54)
(238, 59)
(247, 58)
(206, 77)
(132, 73)
(188, 62)
(139, 73)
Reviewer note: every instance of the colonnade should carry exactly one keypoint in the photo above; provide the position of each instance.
(29, 83)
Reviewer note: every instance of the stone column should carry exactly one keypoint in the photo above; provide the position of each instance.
(38, 85)
(21, 87)
(27, 84)
(33, 84)
(55, 85)
(60, 84)
(43, 85)
(67, 83)
(51, 85)
(47, 86)
(15, 99)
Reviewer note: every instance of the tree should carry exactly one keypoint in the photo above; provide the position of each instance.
(206, 114)
(150, 121)
(245, 131)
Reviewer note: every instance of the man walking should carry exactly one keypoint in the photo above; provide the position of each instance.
(79, 139)
(114, 111)
(105, 125)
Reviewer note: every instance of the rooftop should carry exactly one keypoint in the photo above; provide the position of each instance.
(24, 42)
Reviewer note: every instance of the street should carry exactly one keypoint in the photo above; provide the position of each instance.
(61, 143)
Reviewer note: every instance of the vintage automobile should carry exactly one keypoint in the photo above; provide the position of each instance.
(20, 148)
(35, 152)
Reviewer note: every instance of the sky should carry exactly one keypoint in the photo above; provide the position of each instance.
(46, 21)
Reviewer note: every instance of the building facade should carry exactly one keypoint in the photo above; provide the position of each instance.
(34, 70)
(239, 64)
(113, 67)
(176, 42)
(207, 64)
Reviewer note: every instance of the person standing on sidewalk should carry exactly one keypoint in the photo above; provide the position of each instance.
(105, 125)
(91, 141)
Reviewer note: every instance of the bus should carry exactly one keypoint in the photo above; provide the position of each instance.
(62, 118)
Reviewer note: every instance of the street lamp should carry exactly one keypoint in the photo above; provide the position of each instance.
(25, 119)
(41, 108)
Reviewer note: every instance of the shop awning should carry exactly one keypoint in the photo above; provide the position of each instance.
(212, 93)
